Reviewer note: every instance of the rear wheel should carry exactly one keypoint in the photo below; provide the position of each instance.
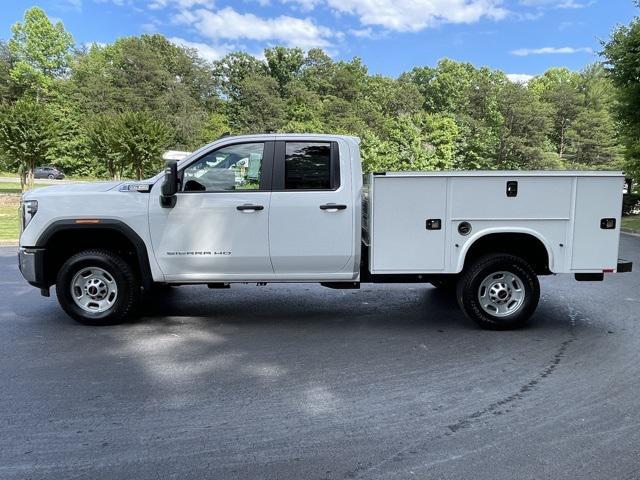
(97, 287)
(51, 176)
(499, 292)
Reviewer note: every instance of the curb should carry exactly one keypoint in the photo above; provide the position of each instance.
(630, 231)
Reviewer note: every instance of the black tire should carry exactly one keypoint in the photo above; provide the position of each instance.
(469, 285)
(51, 177)
(125, 278)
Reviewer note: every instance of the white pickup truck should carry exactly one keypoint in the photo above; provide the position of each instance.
(295, 208)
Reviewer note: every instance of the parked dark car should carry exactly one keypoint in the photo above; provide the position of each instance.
(52, 173)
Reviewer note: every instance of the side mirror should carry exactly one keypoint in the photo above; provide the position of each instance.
(170, 185)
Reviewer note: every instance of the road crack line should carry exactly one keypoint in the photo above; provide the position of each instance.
(468, 420)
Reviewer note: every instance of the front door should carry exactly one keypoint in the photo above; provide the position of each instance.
(219, 227)
(311, 220)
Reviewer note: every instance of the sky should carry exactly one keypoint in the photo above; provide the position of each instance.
(520, 37)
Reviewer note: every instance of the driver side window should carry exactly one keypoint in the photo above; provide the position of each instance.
(230, 168)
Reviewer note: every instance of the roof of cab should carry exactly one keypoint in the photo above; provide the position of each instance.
(278, 136)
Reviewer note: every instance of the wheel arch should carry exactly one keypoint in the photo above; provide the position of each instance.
(524, 242)
(63, 238)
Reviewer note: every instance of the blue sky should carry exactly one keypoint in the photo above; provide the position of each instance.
(517, 36)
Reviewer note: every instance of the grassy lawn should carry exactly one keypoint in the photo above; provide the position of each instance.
(632, 221)
(9, 220)
(14, 187)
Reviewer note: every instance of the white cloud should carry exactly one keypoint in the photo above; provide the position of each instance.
(231, 25)
(305, 5)
(555, 3)
(74, 4)
(413, 15)
(150, 27)
(524, 52)
(206, 51)
(362, 32)
(158, 4)
(523, 78)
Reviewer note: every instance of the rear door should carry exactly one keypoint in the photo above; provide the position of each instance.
(311, 214)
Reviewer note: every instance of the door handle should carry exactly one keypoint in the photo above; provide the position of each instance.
(332, 206)
(249, 208)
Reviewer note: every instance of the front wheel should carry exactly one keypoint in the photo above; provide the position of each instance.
(499, 292)
(97, 287)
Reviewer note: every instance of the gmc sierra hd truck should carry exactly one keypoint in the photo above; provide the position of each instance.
(296, 208)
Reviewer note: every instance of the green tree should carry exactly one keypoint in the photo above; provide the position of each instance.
(622, 52)
(284, 64)
(441, 135)
(69, 149)
(130, 142)
(25, 137)
(140, 141)
(594, 139)
(102, 131)
(258, 106)
(42, 52)
(525, 125)
(147, 73)
(317, 72)
(216, 125)
(470, 95)
(231, 70)
(561, 89)
(303, 109)
(7, 87)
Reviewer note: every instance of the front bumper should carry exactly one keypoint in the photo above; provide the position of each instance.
(31, 264)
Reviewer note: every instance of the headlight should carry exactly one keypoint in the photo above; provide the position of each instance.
(29, 209)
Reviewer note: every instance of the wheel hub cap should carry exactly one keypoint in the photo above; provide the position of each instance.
(94, 289)
(501, 294)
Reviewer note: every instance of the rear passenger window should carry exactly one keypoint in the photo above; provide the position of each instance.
(307, 166)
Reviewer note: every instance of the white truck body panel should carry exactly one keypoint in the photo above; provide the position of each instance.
(561, 209)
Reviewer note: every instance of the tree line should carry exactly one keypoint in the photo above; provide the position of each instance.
(110, 111)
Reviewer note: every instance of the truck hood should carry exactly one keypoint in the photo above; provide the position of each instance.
(69, 188)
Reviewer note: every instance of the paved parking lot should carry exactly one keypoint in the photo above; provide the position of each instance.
(302, 382)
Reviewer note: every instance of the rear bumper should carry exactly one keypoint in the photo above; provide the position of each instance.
(31, 264)
(624, 266)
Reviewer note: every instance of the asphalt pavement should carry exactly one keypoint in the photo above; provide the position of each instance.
(302, 382)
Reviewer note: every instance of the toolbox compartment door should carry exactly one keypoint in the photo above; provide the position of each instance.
(594, 247)
(402, 241)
